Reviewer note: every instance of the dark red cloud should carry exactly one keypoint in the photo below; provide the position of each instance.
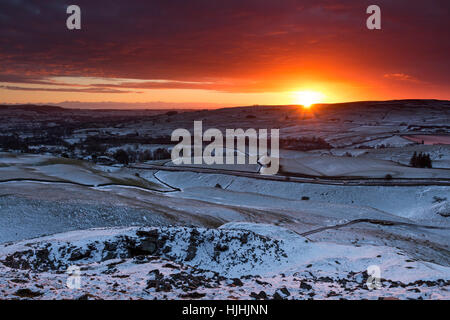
(86, 90)
(229, 45)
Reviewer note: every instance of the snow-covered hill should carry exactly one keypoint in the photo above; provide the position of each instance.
(236, 261)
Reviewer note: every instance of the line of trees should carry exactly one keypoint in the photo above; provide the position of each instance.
(14, 142)
(421, 160)
(304, 143)
(126, 156)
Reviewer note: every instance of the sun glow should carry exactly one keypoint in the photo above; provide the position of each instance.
(308, 98)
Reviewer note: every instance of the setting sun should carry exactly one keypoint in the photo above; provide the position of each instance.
(308, 98)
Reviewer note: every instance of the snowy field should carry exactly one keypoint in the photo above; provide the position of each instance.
(318, 251)
(237, 261)
(154, 230)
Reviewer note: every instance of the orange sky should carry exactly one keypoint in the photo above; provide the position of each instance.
(226, 53)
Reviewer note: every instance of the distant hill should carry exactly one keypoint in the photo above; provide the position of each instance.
(34, 107)
(129, 107)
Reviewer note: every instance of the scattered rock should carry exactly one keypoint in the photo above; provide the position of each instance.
(237, 282)
(260, 296)
(193, 295)
(305, 286)
(27, 293)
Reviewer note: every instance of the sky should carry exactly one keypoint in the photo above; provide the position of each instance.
(222, 52)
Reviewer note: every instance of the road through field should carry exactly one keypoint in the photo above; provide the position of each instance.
(344, 181)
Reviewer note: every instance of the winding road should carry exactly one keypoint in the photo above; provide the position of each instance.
(339, 181)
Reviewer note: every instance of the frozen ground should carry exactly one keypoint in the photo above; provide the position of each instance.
(186, 234)
(269, 239)
(418, 203)
(237, 261)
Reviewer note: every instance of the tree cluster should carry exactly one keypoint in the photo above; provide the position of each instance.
(421, 160)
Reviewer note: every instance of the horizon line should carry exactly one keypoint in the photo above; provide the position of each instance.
(218, 105)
